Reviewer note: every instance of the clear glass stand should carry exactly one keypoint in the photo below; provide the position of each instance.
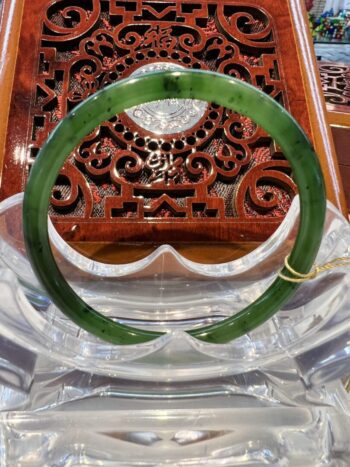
(272, 397)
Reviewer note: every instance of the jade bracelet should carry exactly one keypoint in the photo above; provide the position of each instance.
(213, 87)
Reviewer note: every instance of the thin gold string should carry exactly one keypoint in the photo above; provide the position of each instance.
(299, 278)
(347, 384)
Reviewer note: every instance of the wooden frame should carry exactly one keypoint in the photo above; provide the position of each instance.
(10, 29)
(338, 119)
(324, 144)
(335, 78)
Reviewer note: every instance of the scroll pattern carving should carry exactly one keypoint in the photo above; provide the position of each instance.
(224, 167)
(335, 80)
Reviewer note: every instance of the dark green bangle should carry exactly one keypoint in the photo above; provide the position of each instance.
(208, 86)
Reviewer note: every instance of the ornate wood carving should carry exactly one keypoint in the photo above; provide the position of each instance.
(335, 78)
(124, 182)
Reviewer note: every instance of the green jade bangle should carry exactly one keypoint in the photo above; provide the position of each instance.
(212, 87)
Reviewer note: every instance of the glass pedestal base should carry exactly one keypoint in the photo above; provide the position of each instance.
(297, 436)
(272, 397)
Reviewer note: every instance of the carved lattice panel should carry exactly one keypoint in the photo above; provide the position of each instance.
(204, 173)
(335, 78)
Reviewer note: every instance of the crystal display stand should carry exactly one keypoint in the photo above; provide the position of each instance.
(272, 397)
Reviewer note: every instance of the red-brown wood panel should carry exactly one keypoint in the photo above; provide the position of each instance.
(345, 171)
(342, 144)
(221, 178)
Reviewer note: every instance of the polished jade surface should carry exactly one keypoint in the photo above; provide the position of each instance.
(208, 86)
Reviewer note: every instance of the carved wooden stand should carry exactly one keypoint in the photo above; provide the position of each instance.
(335, 79)
(222, 179)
